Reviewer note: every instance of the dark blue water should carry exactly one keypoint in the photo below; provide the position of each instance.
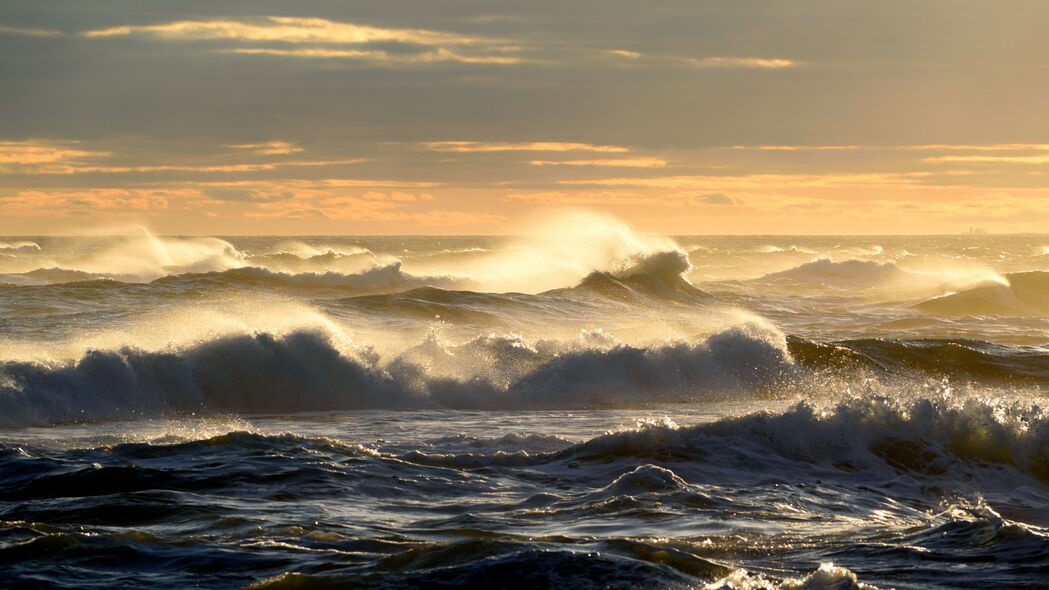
(614, 412)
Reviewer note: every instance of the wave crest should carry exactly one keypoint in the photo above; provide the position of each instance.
(305, 371)
(928, 436)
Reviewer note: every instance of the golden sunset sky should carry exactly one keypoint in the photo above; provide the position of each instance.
(464, 116)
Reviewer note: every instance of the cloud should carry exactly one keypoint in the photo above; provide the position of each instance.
(537, 146)
(269, 148)
(324, 183)
(203, 169)
(67, 203)
(621, 198)
(29, 153)
(758, 181)
(617, 163)
(371, 206)
(994, 147)
(717, 199)
(8, 30)
(988, 159)
(436, 55)
(759, 63)
(319, 38)
(584, 198)
(288, 30)
(797, 148)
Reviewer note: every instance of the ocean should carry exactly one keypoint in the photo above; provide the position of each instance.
(581, 406)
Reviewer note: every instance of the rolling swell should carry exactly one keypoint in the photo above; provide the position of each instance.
(1026, 294)
(304, 371)
(846, 273)
(377, 279)
(967, 360)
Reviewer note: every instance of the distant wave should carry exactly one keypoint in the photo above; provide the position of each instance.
(380, 278)
(304, 258)
(305, 251)
(792, 249)
(383, 278)
(304, 371)
(23, 246)
(847, 272)
(867, 251)
(1026, 294)
(474, 250)
(660, 275)
(49, 276)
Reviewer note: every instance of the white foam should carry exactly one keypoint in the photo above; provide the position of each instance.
(304, 370)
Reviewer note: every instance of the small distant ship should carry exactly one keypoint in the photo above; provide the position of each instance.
(975, 231)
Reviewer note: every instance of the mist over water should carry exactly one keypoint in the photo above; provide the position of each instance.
(579, 406)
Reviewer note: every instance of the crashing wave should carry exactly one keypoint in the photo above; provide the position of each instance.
(928, 436)
(304, 371)
(660, 275)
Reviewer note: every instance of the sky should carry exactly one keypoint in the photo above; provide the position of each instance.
(467, 116)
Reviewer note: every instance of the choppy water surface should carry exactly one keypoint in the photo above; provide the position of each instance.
(573, 409)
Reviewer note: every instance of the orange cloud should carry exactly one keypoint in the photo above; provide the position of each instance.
(216, 168)
(611, 163)
(759, 63)
(989, 159)
(269, 148)
(25, 153)
(535, 146)
(758, 181)
(288, 30)
(34, 203)
(436, 55)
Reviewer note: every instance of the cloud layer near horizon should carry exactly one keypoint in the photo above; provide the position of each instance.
(461, 116)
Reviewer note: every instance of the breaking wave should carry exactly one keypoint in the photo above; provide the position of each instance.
(1025, 294)
(792, 249)
(660, 275)
(940, 435)
(305, 371)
